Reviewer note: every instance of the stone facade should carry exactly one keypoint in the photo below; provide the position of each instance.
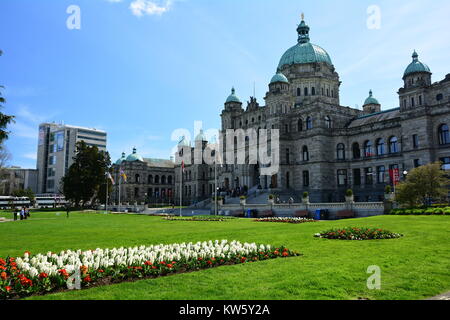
(326, 148)
(149, 181)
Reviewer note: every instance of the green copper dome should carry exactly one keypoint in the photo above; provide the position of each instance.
(371, 99)
(304, 51)
(416, 66)
(134, 157)
(279, 77)
(201, 137)
(119, 162)
(233, 97)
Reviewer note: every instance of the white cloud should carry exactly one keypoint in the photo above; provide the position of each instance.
(150, 7)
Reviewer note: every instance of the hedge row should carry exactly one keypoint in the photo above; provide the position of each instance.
(421, 211)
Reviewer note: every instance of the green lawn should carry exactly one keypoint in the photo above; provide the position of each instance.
(413, 267)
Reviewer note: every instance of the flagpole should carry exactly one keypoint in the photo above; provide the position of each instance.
(106, 200)
(120, 187)
(181, 189)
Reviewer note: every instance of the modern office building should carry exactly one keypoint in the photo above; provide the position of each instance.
(56, 150)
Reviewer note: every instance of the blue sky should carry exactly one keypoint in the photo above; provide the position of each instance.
(140, 69)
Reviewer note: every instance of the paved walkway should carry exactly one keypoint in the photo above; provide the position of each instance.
(444, 296)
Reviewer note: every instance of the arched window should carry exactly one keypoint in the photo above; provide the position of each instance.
(393, 145)
(444, 135)
(340, 151)
(305, 153)
(380, 147)
(299, 92)
(150, 179)
(156, 179)
(300, 125)
(309, 123)
(306, 91)
(163, 180)
(138, 178)
(368, 149)
(328, 122)
(169, 180)
(313, 91)
(356, 151)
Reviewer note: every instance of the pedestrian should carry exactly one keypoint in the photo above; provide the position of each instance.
(27, 212)
(16, 213)
(22, 214)
(67, 210)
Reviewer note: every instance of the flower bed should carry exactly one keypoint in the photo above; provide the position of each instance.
(421, 211)
(205, 219)
(358, 234)
(285, 220)
(44, 273)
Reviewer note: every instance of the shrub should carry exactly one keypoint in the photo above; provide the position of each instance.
(305, 195)
(388, 189)
(271, 197)
(242, 197)
(421, 211)
(353, 233)
(349, 193)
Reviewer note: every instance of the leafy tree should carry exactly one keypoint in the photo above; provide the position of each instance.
(5, 120)
(86, 175)
(422, 185)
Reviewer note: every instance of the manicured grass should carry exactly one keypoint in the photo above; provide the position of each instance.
(413, 267)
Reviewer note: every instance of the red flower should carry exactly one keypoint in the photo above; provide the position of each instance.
(209, 262)
(200, 259)
(101, 270)
(29, 253)
(162, 262)
(148, 263)
(43, 275)
(3, 275)
(170, 266)
(285, 254)
(243, 259)
(154, 267)
(25, 281)
(87, 279)
(2, 262)
(276, 252)
(8, 288)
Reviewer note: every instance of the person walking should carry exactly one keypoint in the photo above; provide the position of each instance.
(22, 214)
(16, 213)
(67, 210)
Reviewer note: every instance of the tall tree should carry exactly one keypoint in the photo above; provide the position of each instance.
(86, 175)
(5, 120)
(424, 184)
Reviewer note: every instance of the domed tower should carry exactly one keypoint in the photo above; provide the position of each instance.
(122, 159)
(417, 73)
(371, 105)
(233, 108)
(417, 78)
(309, 70)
